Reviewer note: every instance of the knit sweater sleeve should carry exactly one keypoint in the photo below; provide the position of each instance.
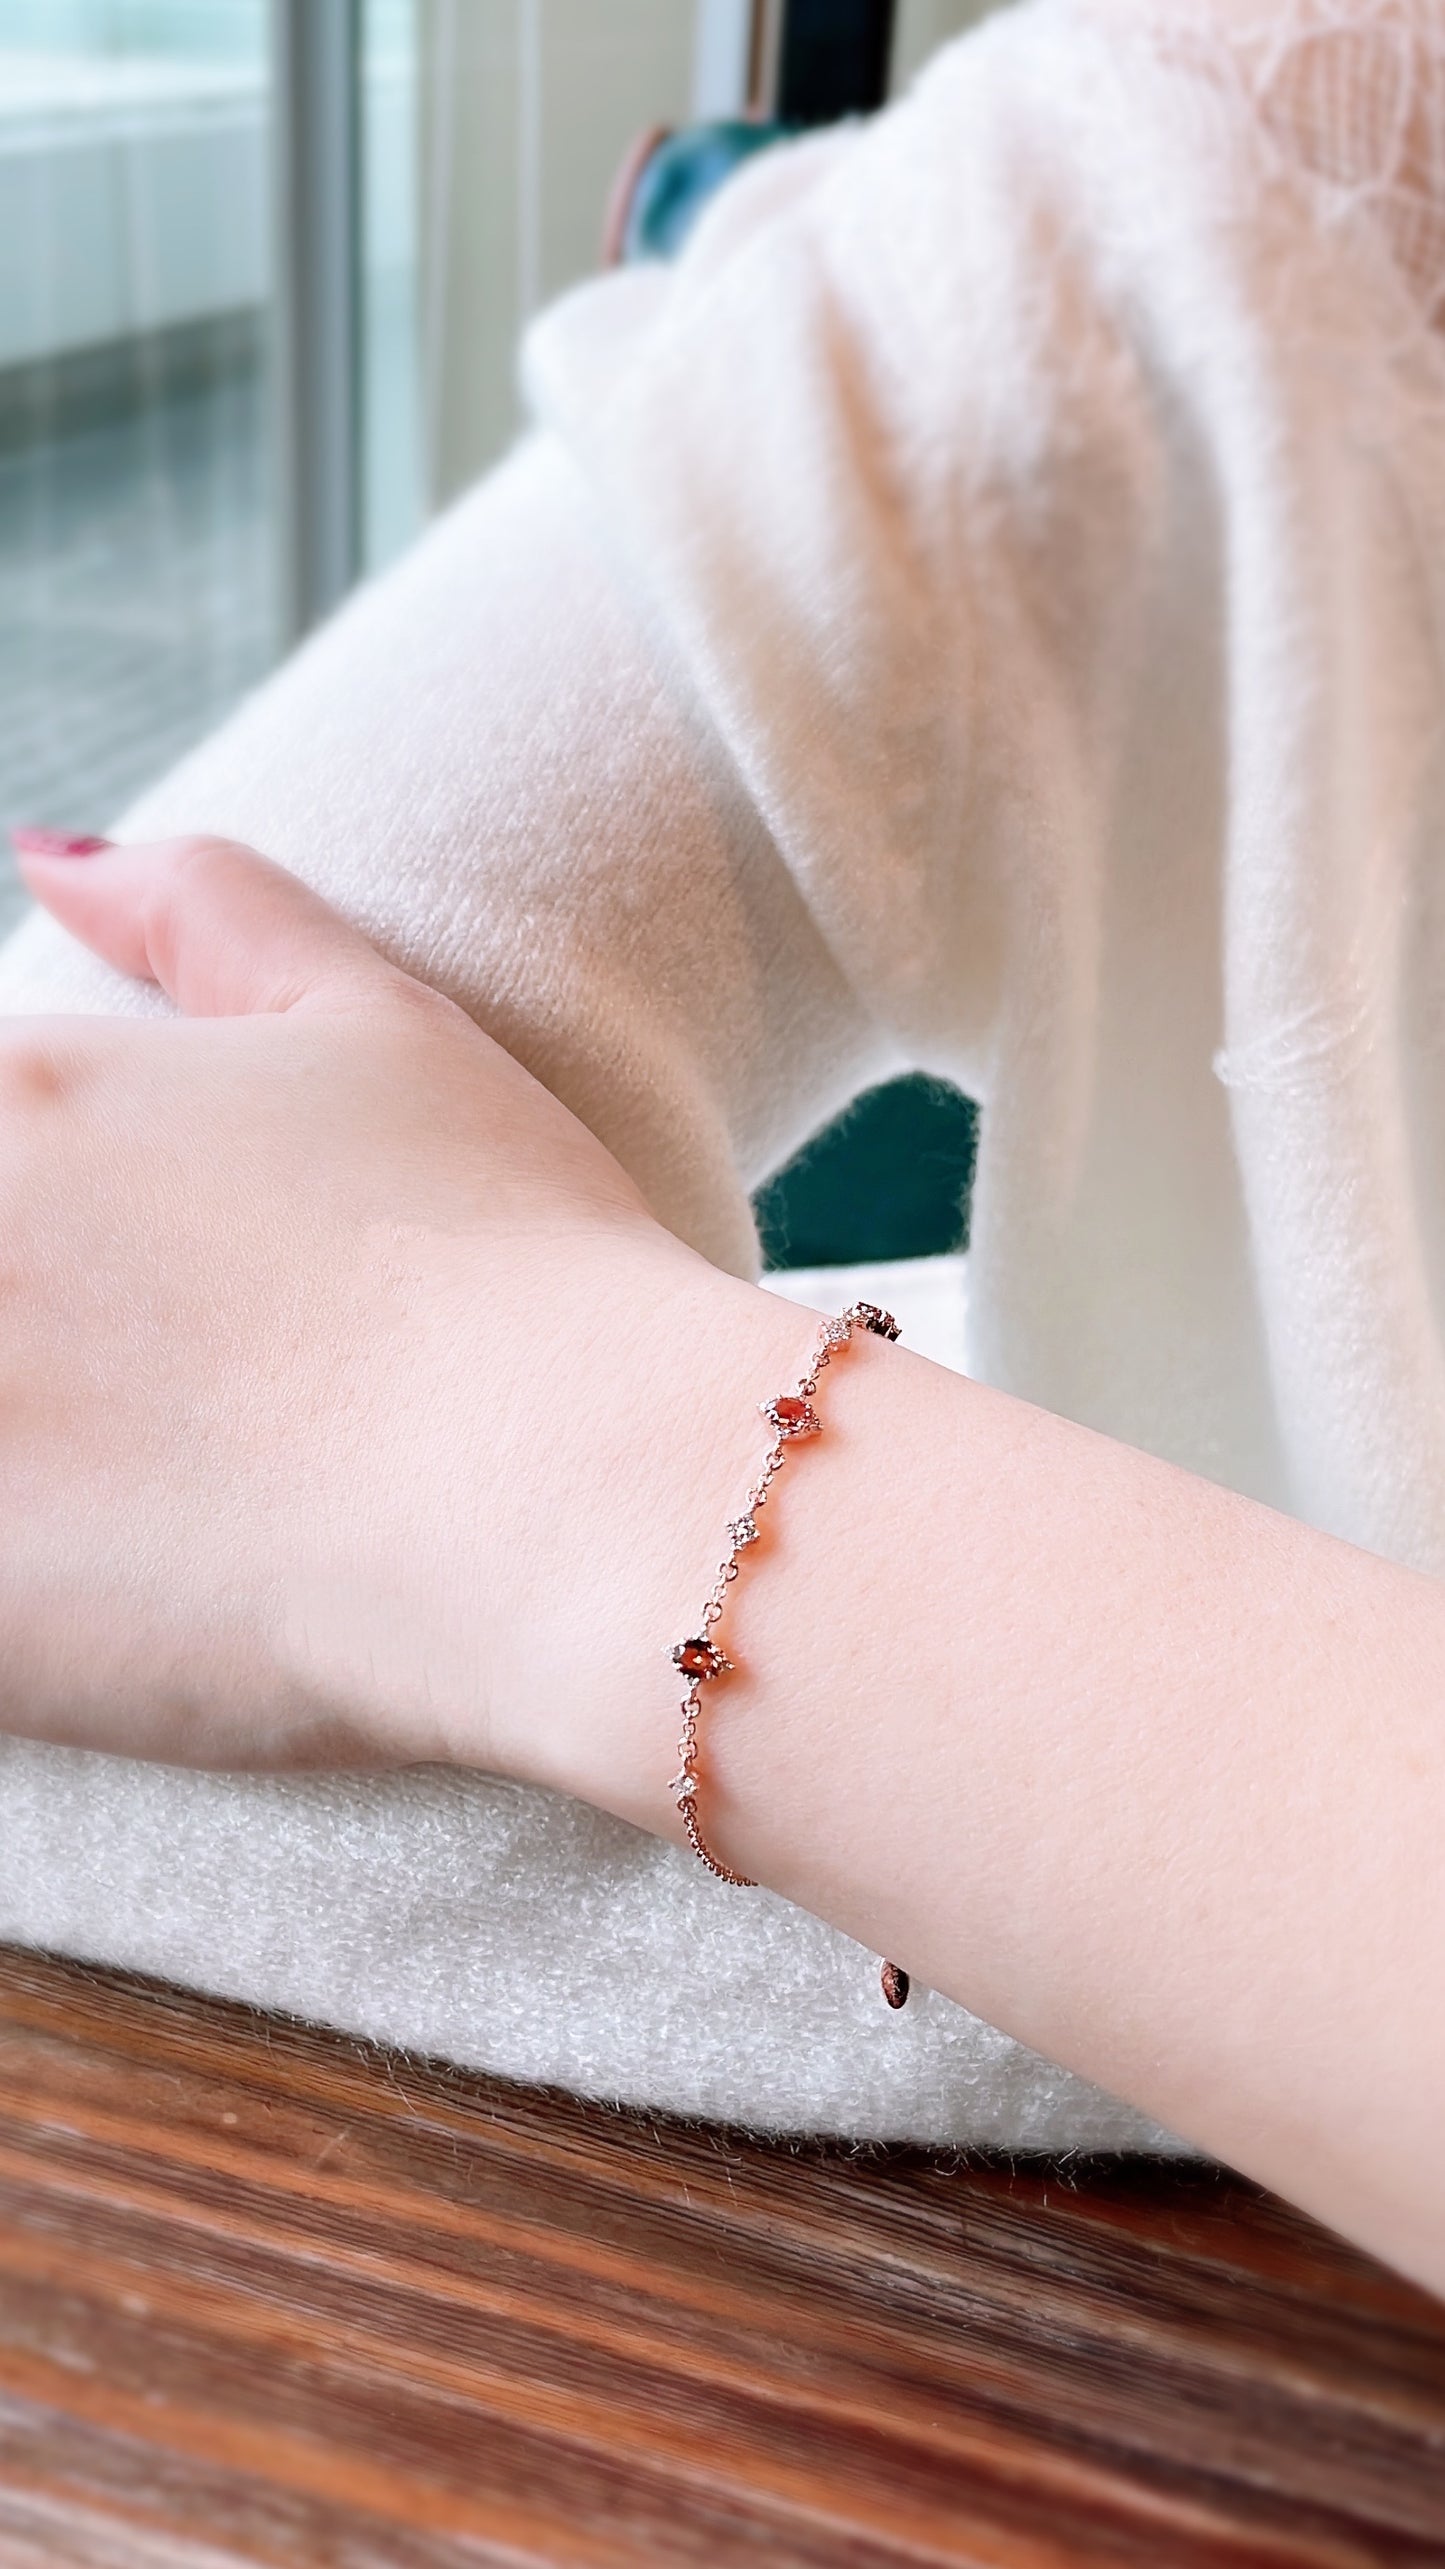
(876, 460)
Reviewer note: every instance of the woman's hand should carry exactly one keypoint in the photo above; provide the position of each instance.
(313, 1301)
(354, 1407)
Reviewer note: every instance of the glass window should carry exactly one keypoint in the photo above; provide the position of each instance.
(136, 557)
(390, 425)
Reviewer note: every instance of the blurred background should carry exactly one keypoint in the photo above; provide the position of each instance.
(263, 267)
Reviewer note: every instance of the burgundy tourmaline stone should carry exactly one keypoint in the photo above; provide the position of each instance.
(882, 1324)
(698, 1658)
(895, 1984)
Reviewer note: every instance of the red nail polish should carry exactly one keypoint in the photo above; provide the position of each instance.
(37, 842)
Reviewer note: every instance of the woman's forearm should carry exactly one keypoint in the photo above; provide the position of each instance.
(1147, 1775)
(381, 1422)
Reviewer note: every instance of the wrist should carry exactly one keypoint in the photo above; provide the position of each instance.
(537, 1532)
(652, 1439)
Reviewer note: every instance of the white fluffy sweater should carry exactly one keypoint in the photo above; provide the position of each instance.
(982, 608)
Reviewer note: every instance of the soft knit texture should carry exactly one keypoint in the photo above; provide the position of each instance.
(982, 608)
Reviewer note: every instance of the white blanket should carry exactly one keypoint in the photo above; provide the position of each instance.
(983, 608)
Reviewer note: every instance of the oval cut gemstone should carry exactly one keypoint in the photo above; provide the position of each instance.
(895, 1984)
(699, 1657)
(792, 1415)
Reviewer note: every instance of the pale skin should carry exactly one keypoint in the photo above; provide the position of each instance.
(356, 1410)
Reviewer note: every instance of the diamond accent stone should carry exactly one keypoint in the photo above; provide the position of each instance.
(683, 1787)
(743, 1530)
(838, 1332)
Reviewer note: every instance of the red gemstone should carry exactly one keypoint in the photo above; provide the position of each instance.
(698, 1657)
(895, 1984)
(791, 1414)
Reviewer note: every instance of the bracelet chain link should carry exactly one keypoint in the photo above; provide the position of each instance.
(699, 1655)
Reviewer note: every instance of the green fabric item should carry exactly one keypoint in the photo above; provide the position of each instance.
(677, 179)
(889, 1179)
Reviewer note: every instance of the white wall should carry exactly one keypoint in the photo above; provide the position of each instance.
(527, 109)
(921, 26)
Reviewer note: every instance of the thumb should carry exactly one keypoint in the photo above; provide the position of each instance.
(223, 931)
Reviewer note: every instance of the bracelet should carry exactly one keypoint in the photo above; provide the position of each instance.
(792, 1417)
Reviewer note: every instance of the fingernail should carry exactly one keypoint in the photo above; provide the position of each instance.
(37, 842)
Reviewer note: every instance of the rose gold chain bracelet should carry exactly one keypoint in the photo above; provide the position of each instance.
(700, 1656)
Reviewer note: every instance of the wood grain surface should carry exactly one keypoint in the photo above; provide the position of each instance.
(267, 2295)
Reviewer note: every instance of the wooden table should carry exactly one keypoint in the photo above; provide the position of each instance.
(269, 2295)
